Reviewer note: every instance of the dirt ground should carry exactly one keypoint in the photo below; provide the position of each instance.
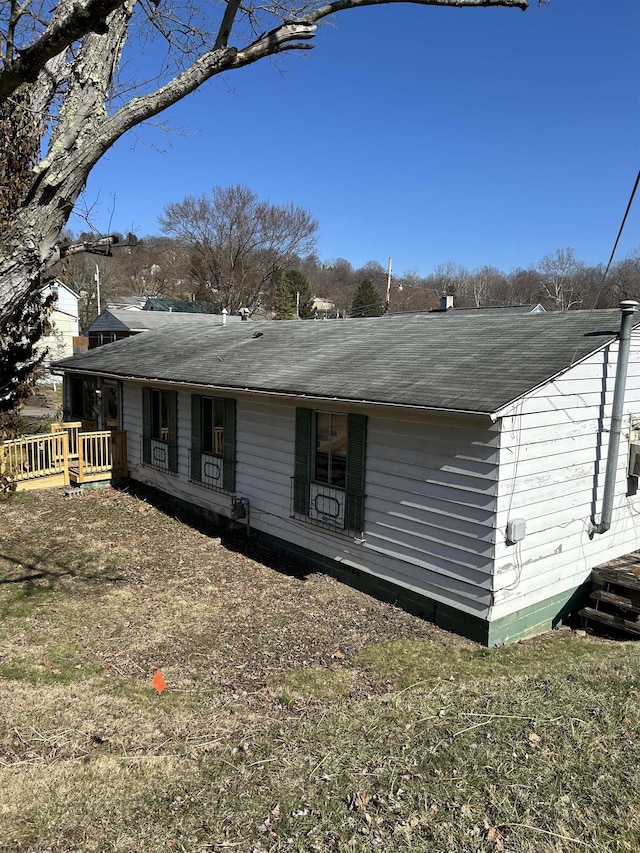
(248, 614)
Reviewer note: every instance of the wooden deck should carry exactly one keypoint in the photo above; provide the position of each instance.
(615, 595)
(69, 455)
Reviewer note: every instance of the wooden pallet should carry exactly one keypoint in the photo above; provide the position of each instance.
(615, 598)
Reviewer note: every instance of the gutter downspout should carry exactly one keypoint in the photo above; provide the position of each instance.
(628, 308)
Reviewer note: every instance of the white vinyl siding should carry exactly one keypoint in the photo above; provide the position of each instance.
(429, 520)
(553, 456)
(419, 532)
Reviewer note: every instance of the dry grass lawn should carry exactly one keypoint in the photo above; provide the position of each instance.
(299, 714)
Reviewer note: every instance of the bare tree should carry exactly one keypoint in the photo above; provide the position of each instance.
(238, 242)
(60, 65)
(560, 276)
(451, 279)
(623, 282)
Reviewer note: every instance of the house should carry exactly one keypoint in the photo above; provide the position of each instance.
(453, 464)
(63, 319)
(446, 304)
(182, 306)
(115, 324)
(127, 302)
(322, 306)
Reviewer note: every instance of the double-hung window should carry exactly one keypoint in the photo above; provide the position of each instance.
(160, 429)
(328, 482)
(330, 449)
(213, 436)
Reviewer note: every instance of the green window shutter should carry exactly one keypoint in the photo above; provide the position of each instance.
(173, 430)
(229, 446)
(146, 426)
(196, 437)
(356, 456)
(302, 461)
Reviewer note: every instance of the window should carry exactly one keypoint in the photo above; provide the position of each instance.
(110, 406)
(328, 482)
(330, 454)
(212, 425)
(159, 415)
(83, 398)
(160, 429)
(213, 437)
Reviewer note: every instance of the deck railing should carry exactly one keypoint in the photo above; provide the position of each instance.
(31, 460)
(73, 428)
(66, 455)
(100, 453)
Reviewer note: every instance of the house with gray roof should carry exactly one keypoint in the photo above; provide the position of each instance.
(453, 463)
(115, 324)
(182, 306)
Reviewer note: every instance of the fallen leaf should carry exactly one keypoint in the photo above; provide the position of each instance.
(494, 837)
(359, 801)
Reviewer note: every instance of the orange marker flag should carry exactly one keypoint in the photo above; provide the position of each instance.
(158, 681)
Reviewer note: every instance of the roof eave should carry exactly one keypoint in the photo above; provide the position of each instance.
(281, 394)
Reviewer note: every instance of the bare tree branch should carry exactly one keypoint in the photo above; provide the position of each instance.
(84, 17)
(341, 5)
(227, 24)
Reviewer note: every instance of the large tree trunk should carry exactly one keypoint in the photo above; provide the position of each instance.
(30, 243)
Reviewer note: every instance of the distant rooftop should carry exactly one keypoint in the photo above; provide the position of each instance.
(181, 306)
(124, 320)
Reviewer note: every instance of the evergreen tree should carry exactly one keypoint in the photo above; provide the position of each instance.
(291, 288)
(366, 301)
(284, 300)
(299, 285)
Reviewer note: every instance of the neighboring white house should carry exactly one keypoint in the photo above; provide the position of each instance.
(453, 463)
(64, 322)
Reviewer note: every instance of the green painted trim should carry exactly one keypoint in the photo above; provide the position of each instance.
(146, 426)
(94, 484)
(302, 461)
(442, 615)
(538, 618)
(229, 445)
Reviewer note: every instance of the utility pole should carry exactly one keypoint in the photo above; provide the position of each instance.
(386, 304)
(97, 281)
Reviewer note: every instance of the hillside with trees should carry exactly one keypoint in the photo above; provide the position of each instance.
(165, 266)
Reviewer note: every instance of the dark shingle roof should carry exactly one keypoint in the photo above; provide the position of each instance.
(500, 309)
(447, 362)
(123, 320)
(182, 306)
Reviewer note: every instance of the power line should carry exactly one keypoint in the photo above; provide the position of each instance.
(622, 224)
(613, 251)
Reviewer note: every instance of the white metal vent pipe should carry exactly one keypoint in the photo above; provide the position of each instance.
(628, 308)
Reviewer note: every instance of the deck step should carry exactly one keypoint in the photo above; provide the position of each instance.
(615, 597)
(591, 614)
(621, 601)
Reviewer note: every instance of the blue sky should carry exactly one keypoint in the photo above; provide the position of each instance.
(478, 136)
